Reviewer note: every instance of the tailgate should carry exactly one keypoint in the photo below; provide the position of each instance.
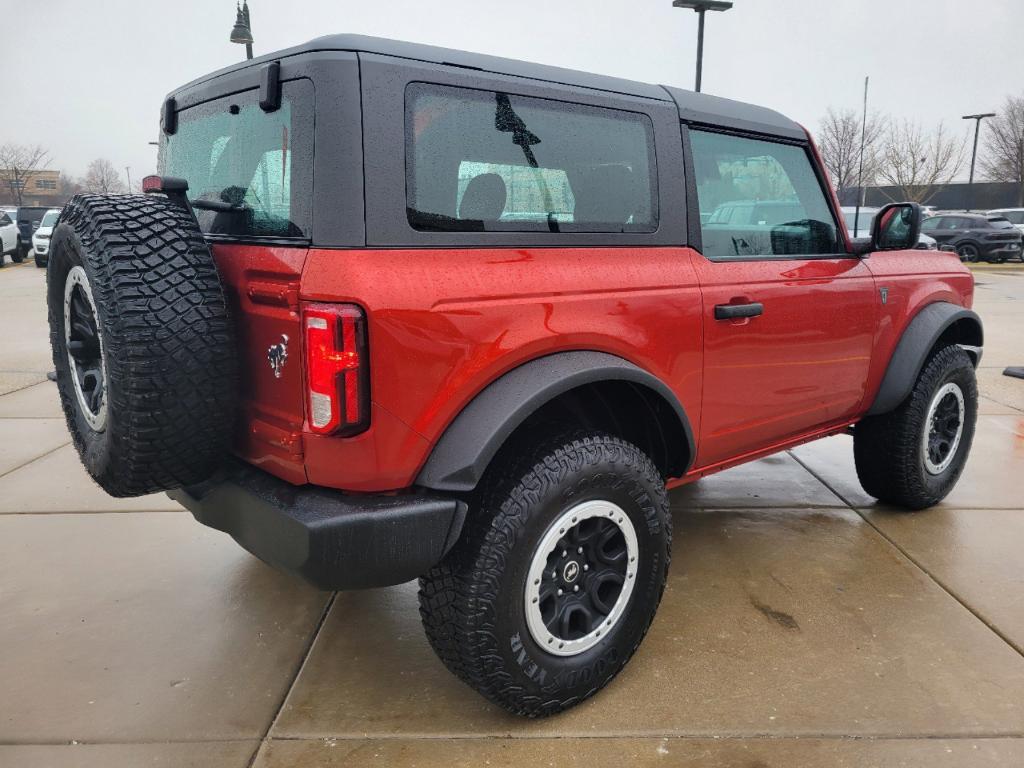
(262, 283)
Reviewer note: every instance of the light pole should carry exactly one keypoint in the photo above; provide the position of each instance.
(128, 172)
(242, 31)
(974, 152)
(700, 6)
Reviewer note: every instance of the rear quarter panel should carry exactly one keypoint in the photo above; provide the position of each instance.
(911, 280)
(429, 356)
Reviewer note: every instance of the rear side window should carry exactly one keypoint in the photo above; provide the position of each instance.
(249, 172)
(759, 198)
(486, 161)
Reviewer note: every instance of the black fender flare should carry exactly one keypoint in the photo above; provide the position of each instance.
(460, 456)
(917, 341)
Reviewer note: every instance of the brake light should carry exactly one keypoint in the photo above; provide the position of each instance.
(337, 368)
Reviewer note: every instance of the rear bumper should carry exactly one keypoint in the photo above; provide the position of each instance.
(1008, 249)
(332, 539)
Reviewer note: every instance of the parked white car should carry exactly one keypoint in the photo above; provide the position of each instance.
(867, 215)
(41, 237)
(1013, 215)
(8, 235)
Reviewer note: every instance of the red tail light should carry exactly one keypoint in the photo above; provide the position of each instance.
(337, 368)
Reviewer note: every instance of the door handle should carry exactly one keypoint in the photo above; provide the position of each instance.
(734, 311)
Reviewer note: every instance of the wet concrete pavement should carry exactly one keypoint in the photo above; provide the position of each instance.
(803, 625)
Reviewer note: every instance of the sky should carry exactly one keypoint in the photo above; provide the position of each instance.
(85, 78)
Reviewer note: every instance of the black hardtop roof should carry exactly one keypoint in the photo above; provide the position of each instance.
(696, 107)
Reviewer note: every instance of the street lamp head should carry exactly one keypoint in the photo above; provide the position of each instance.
(702, 5)
(981, 116)
(241, 33)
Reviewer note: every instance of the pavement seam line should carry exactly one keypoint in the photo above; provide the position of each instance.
(709, 735)
(265, 738)
(913, 561)
(35, 458)
(1009, 736)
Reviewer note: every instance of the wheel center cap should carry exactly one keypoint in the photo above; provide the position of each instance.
(571, 571)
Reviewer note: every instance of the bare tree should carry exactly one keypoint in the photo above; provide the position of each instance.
(18, 164)
(69, 186)
(917, 161)
(839, 141)
(1004, 146)
(102, 177)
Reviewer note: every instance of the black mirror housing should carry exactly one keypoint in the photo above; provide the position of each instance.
(896, 227)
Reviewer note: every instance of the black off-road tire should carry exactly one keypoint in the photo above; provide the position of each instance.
(968, 252)
(39, 262)
(888, 449)
(18, 255)
(166, 341)
(473, 603)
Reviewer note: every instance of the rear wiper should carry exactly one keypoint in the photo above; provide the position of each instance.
(219, 205)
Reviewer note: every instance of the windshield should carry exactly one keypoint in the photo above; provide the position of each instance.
(249, 172)
(49, 219)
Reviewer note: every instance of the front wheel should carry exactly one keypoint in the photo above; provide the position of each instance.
(556, 577)
(913, 456)
(18, 255)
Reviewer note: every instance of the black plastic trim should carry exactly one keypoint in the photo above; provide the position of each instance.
(467, 446)
(914, 345)
(332, 539)
(695, 235)
(270, 87)
(169, 116)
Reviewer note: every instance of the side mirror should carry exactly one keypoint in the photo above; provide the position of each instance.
(896, 227)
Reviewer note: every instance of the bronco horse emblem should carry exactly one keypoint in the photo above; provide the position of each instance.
(277, 355)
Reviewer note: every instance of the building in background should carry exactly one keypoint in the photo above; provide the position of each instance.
(981, 196)
(41, 188)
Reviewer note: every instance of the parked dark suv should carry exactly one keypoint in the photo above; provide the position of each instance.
(976, 236)
(28, 219)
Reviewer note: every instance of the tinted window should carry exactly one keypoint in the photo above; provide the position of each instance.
(957, 222)
(998, 222)
(783, 208)
(249, 172)
(932, 223)
(4, 220)
(486, 161)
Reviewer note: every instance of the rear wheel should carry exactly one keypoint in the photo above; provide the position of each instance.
(18, 254)
(968, 252)
(913, 456)
(556, 577)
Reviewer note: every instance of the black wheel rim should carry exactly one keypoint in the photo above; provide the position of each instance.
(943, 428)
(85, 348)
(581, 577)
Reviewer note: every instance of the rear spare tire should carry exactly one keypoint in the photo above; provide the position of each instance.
(142, 342)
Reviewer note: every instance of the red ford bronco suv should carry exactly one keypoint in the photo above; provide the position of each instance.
(393, 311)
